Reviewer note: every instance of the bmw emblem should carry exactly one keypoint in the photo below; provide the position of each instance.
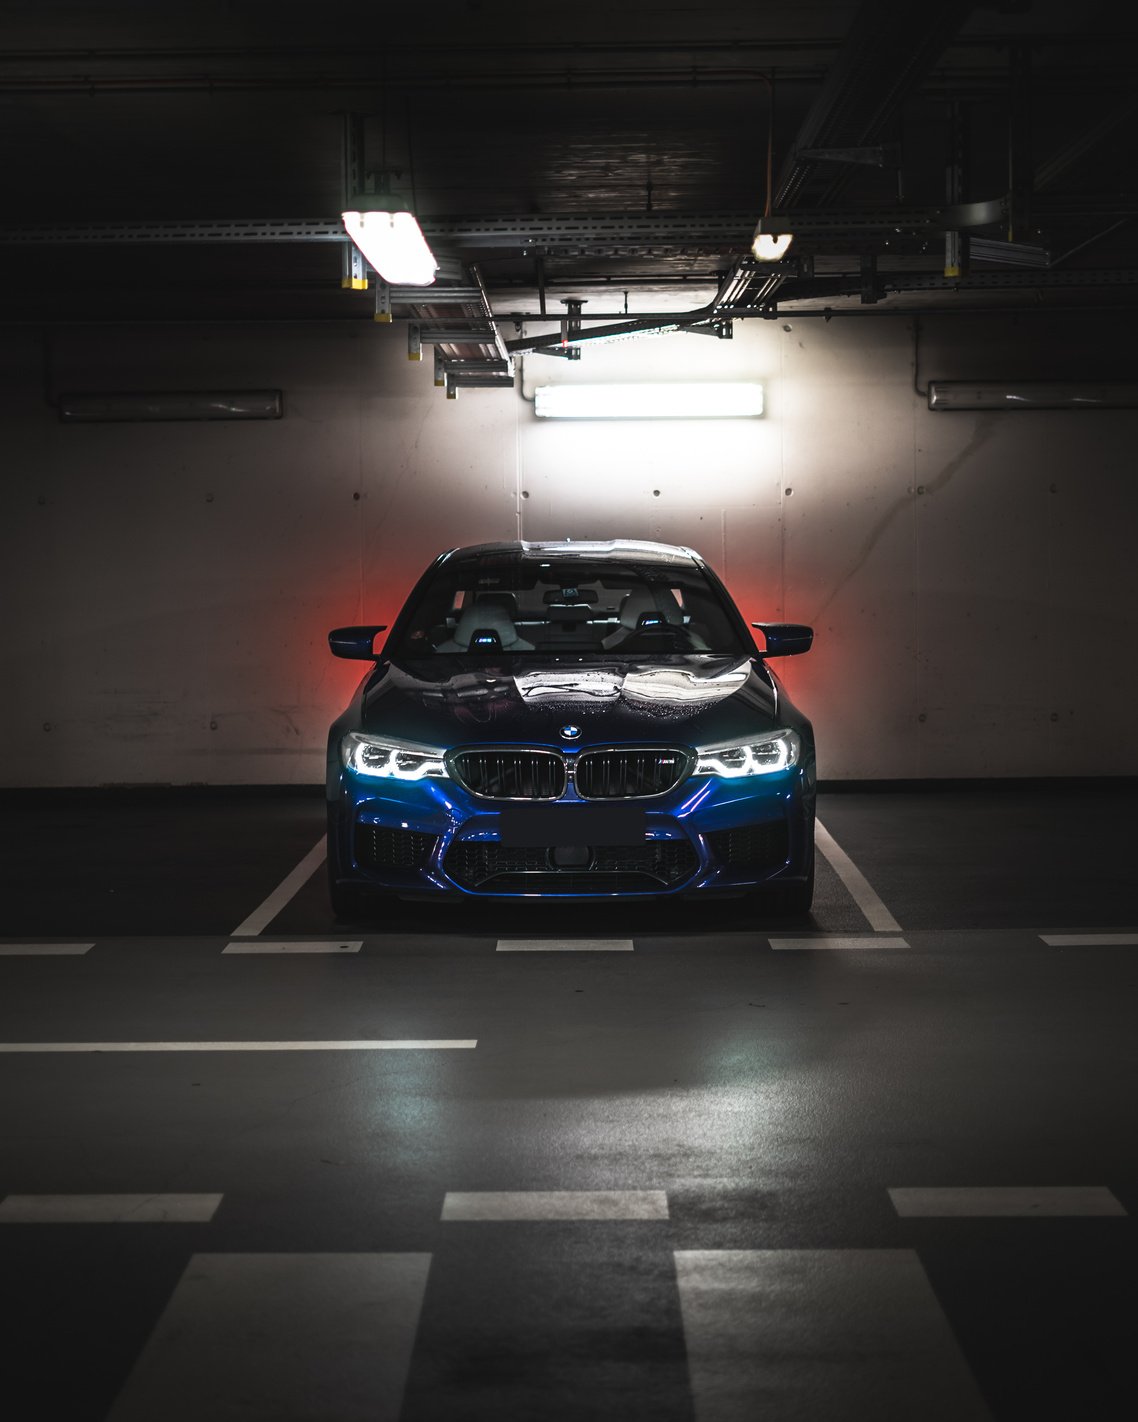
(570, 733)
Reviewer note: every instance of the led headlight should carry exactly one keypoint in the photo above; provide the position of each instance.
(777, 751)
(389, 760)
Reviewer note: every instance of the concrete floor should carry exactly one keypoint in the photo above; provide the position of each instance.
(633, 1182)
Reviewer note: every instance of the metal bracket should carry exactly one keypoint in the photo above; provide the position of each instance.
(870, 290)
(382, 300)
(353, 268)
(956, 243)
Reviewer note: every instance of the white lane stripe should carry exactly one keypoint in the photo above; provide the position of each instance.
(281, 1337)
(565, 945)
(391, 1045)
(1089, 940)
(819, 1333)
(45, 950)
(291, 885)
(846, 943)
(108, 1209)
(859, 887)
(262, 945)
(556, 1205)
(1005, 1201)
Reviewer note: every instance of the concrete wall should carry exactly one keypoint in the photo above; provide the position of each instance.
(168, 588)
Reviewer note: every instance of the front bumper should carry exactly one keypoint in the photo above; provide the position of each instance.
(432, 836)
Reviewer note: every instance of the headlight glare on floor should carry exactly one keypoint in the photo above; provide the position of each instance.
(778, 751)
(390, 760)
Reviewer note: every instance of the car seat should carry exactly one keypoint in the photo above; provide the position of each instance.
(658, 603)
(486, 618)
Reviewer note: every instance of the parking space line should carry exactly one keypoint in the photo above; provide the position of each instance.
(108, 1209)
(1005, 1201)
(44, 950)
(847, 943)
(263, 945)
(565, 945)
(820, 1333)
(857, 885)
(288, 888)
(556, 1205)
(1090, 940)
(391, 1045)
(264, 1337)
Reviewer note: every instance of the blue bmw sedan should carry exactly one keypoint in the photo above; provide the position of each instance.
(571, 720)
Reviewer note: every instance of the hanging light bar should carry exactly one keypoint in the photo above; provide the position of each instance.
(390, 239)
(725, 400)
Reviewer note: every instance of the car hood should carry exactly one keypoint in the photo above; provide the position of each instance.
(696, 699)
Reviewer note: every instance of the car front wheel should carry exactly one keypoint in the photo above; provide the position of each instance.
(790, 899)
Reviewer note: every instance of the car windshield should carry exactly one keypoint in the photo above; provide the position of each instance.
(515, 604)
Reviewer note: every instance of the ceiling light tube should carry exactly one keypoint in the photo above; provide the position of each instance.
(391, 241)
(723, 400)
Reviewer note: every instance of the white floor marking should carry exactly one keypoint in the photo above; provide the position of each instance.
(850, 943)
(556, 1205)
(262, 945)
(859, 887)
(839, 1334)
(108, 1209)
(1089, 940)
(281, 1338)
(1005, 1201)
(46, 950)
(291, 885)
(565, 945)
(410, 1044)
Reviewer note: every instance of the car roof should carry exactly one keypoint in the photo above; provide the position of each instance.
(616, 550)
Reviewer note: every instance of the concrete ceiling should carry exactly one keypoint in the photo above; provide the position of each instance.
(612, 154)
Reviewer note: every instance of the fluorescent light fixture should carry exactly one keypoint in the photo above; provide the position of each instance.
(1031, 395)
(146, 405)
(648, 402)
(771, 246)
(391, 240)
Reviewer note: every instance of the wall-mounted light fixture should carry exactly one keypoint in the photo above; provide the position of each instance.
(1031, 395)
(723, 400)
(148, 405)
(386, 231)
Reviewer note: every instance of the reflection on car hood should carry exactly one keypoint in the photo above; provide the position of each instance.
(694, 699)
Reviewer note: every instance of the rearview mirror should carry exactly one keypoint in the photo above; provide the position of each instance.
(785, 639)
(354, 643)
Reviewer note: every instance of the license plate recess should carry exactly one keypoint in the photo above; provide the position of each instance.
(562, 826)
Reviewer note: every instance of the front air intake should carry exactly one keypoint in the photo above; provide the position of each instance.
(381, 847)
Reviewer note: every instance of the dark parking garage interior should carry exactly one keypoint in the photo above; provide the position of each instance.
(568, 1155)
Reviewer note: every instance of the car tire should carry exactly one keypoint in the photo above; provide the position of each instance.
(790, 899)
(348, 902)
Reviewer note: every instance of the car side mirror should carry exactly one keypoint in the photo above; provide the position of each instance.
(355, 643)
(785, 639)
